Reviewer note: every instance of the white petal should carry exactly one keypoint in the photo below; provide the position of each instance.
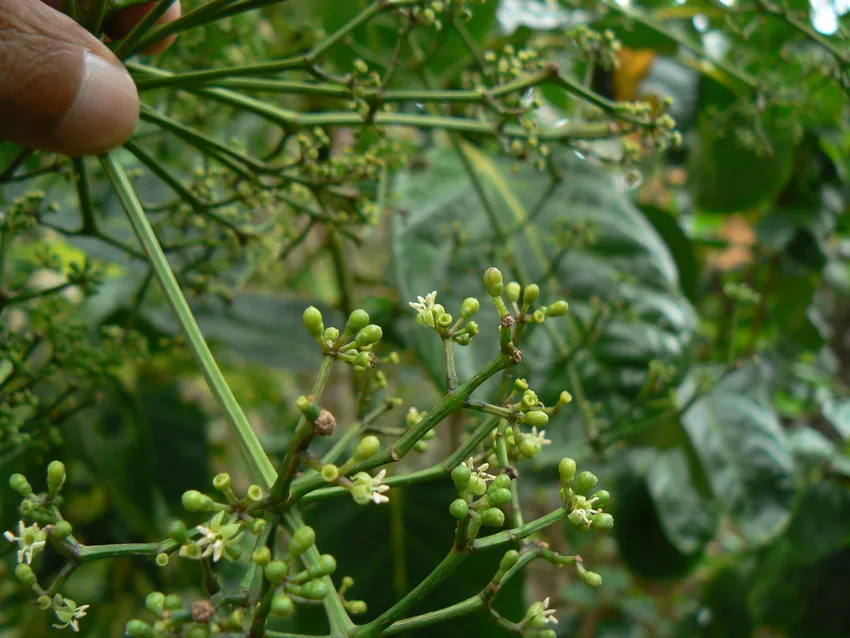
(9, 536)
(219, 548)
(381, 489)
(379, 477)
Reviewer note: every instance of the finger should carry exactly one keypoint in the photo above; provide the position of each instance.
(61, 89)
(122, 23)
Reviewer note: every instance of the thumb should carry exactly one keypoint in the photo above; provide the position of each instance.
(61, 89)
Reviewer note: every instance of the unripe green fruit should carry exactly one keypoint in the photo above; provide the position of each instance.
(528, 448)
(315, 590)
(493, 517)
(567, 470)
(520, 385)
(471, 329)
(557, 309)
(55, 476)
(464, 339)
(330, 473)
(275, 571)
(500, 496)
(255, 493)
(592, 579)
(530, 294)
(536, 418)
(364, 359)
(313, 322)
(325, 566)
(25, 574)
(603, 497)
(221, 481)
(44, 602)
(302, 540)
(27, 507)
(502, 481)
(138, 629)
(155, 602)
(477, 485)
(461, 476)
(162, 559)
(470, 307)
(258, 526)
(585, 482)
(357, 320)
(262, 556)
(512, 291)
(368, 447)
(529, 399)
(369, 335)
(194, 501)
(61, 530)
(173, 602)
(494, 282)
(603, 521)
(20, 484)
(509, 560)
(282, 605)
(331, 334)
(177, 531)
(356, 607)
(459, 508)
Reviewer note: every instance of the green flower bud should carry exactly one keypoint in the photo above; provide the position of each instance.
(258, 526)
(528, 448)
(459, 508)
(462, 340)
(591, 578)
(500, 497)
(471, 329)
(26, 575)
(61, 530)
(509, 560)
(537, 418)
(356, 607)
(502, 481)
(567, 470)
(557, 309)
(256, 493)
(27, 507)
(155, 602)
(177, 531)
(330, 473)
(331, 334)
(470, 307)
(282, 605)
(365, 359)
(520, 385)
(565, 398)
(538, 316)
(162, 559)
(493, 517)
(477, 485)
(262, 556)
(461, 476)
(529, 399)
(275, 572)
(302, 540)
(44, 602)
(313, 322)
(547, 633)
(369, 335)
(512, 291)
(138, 629)
(361, 494)
(357, 320)
(602, 497)
(367, 448)
(325, 566)
(55, 476)
(315, 590)
(221, 481)
(20, 484)
(194, 501)
(530, 294)
(603, 521)
(585, 482)
(173, 602)
(494, 282)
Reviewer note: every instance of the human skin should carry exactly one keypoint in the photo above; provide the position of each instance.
(62, 89)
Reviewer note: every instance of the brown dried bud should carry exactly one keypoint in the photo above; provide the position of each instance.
(512, 472)
(516, 356)
(507, 321)
(325, 424)
(202, 611)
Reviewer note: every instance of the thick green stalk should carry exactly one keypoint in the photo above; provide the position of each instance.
(518, 533)
(87, 553)
(125, 46)
(261, 467)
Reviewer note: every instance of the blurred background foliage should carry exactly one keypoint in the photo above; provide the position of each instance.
(721, 425)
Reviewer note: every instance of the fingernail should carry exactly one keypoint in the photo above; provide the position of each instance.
(104, 112)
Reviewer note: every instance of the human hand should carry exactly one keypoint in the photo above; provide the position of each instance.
(62, 89)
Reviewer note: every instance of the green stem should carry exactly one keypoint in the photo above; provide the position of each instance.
(88, 553)
(261, 467)
(88, 226)
(125, 46)
(451, 370)
(468, 606)
(518, 533)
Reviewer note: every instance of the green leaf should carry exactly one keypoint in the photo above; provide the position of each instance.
(396, 546)
(628, 262)
(680, 246)
(745, 453)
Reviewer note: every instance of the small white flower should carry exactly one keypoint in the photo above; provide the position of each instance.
(370, 488)
(548, 615)
(425, 307)
(215, 538)
(481, 472)
(68, 613)
(539, 438)
(29, 539)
